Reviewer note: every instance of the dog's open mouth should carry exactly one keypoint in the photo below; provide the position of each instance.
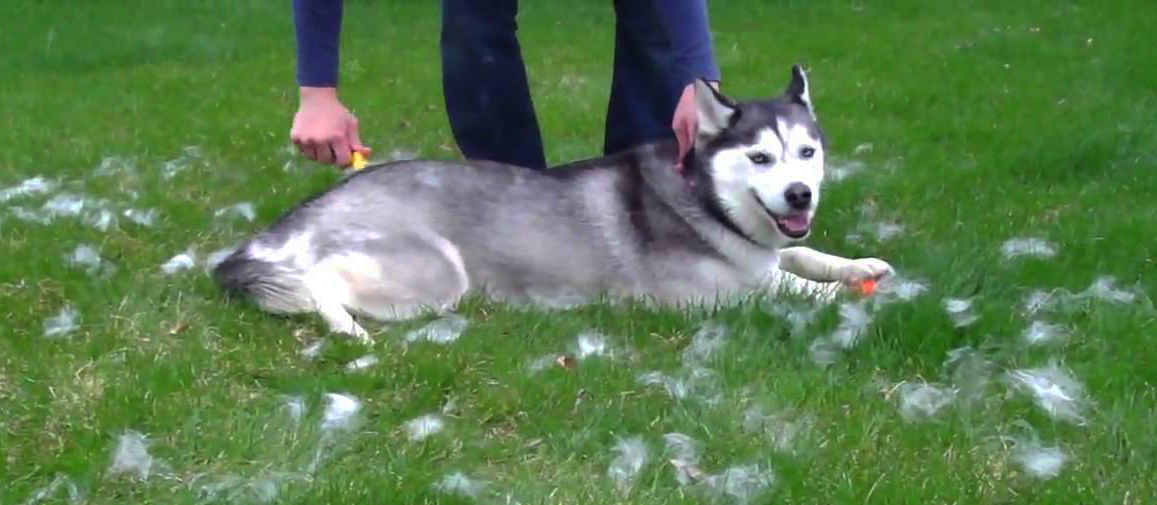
(795, 225)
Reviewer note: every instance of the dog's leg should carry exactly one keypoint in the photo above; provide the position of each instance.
(403, 277)
(340, 321)
(331, 293)
(786, 282)
(821, 267)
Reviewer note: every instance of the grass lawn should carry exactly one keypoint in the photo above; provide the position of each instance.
(953, 129)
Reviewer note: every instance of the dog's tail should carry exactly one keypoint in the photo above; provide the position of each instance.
(274, 287)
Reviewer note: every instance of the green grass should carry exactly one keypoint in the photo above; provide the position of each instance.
(987, 121)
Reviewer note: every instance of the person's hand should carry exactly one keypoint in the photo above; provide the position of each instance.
(323, 129)
(686, 121)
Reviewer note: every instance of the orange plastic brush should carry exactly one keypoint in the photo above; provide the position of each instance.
(866, 287)
(358, 162)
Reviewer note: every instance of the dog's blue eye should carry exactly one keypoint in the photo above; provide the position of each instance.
(807, 152)
(759, 158)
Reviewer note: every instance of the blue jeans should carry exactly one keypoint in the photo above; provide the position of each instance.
(488, 99)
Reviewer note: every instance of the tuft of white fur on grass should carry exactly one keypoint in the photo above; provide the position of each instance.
(591, 343)
(86, 257)
(182, 261)
(799, 315)
(587, 344)
(681, 446)
(838, 170)
(30, 216)
(901, 288)
(885, 230)
(64, 205)
(1032, 247)
(422, 427)
(28, 187)
(243, 210)
(188, 260)
(1040, 301)
(1054, 390)
(688, 383)
(882, 230)
(52, 490)
(443, 330)
(543, 362)
(1040, 333)
(312, 350)
(340, 417)
(673, 386)
(682, 452)
(114, 165)
(741, 483)
(823, 352)
(294, 407)
(63, 323)
(362, 363)
(100, 213)
(631, 456)
(1103, 289)
(143, 217)
(100, 218)
(181, 163)
(854, 321)
(922, 401)
(340, 411)
(264, 488)
(707, 342)
(781, 429)
(458, 483)
(960, 311)
(1040, 462)
(132, 457)
(969, 372)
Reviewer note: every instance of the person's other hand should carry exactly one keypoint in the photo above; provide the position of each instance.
(323, 129)
(686, 121)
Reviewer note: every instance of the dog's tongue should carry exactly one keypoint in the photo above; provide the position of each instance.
(796, 222)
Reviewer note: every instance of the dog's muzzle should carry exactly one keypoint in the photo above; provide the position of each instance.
(794, 225)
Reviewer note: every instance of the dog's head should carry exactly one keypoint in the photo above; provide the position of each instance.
(761, 162)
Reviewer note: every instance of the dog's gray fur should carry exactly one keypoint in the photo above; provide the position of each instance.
(394, 240)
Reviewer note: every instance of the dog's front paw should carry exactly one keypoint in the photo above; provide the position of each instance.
(354, 331)
(361, 334)
(862, 269)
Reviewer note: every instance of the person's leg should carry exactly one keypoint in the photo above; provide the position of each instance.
(484, 83)
(645, 87)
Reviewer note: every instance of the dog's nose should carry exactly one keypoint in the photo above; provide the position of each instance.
(798, 196)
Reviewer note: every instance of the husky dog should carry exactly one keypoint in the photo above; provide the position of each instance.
(394, 240)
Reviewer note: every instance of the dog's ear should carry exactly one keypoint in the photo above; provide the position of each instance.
(797, 89)
(715, 110)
